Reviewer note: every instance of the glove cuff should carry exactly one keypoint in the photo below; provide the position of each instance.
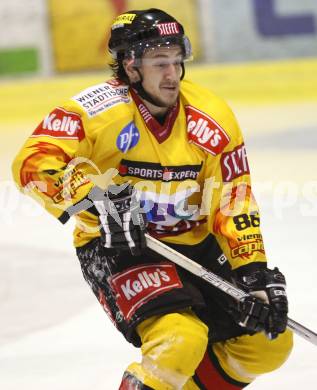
(250, 268)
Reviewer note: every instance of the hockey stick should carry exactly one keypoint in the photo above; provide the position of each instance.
(218, 282)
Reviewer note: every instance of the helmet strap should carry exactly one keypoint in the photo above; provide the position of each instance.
(138, 86)
(183, 71)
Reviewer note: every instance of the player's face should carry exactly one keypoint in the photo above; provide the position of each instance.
(161, 69)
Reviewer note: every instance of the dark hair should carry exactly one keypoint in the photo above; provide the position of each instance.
(118, 70)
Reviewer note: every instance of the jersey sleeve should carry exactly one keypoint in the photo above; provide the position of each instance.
(47, 168)
(233, 214)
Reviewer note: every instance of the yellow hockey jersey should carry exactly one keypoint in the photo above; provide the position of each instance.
(191, 172)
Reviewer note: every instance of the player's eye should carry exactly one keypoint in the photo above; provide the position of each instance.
(161, 64)
(165, 64)
(178, 62)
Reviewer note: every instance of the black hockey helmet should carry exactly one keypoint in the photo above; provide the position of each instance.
(135, 31)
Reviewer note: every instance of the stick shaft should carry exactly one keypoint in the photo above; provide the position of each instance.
(218, 282)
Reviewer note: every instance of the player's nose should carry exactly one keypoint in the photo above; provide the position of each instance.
(172, 72)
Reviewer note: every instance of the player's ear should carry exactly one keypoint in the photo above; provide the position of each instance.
(132, 73)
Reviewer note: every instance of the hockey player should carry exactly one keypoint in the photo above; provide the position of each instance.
(150, 151)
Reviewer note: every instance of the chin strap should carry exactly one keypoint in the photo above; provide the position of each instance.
(183, 71)
(142, 92)
(138, 86)
(144, 95)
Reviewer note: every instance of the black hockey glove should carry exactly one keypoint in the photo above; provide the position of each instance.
(122, 224)
(250, 313)
(268, 286)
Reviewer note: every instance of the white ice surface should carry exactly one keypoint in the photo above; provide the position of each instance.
(68, 343)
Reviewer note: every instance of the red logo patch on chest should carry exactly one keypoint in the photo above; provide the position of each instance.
(61, 123)
(138, 285)
(205, 132)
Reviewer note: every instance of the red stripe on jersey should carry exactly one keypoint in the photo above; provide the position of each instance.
(210, 377)
(160, 132)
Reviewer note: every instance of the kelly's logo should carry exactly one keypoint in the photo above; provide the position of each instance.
(205, 132)
(138, 285)
(143, 280)
(61, 124)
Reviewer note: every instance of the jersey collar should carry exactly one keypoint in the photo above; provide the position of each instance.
(160, 132)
